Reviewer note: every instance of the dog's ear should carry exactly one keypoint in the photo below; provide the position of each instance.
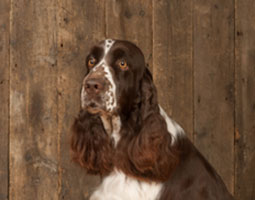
(90, 144)
(147, 153)
(148, 95)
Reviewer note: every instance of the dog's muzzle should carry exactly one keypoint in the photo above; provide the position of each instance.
(97, 91)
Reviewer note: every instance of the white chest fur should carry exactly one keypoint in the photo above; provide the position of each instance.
(118, 186)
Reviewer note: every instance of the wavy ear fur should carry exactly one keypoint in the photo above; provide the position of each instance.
(147, 154)
(90, 144)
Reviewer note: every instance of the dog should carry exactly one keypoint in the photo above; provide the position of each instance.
(125, 136)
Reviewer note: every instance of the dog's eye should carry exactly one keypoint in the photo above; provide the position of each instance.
(91, 62)
(123, 64)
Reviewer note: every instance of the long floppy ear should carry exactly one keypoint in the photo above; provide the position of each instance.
(149, 154)
(90, 144)
(149, 95)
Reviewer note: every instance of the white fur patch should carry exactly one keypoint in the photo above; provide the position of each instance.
(107, 45)
(83, 94)
(111, 103)
(173, 128)
(116, 126)
(112, 125)
(118, 186)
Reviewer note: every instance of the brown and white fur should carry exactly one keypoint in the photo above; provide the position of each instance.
(123, 135)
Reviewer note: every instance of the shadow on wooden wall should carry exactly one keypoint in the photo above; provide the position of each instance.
(201, 53)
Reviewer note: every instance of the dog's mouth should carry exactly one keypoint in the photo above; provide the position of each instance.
(96, 104)
(94, 107)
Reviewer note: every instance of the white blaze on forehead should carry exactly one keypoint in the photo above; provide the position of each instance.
(107, 46)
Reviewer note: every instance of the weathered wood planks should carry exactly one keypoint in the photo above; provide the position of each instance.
(33, 101)
(131, 20)
(245, 101)
(4, 97)
(214, 84)
(81, 25)
(172, 59)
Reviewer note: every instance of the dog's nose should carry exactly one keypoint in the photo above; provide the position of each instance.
(93, 86)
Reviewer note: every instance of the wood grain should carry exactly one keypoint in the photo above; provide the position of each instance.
(33, 106)
(4, 97)
(81, 25)
(172, 59)
(131, 20)
(245, 101)
(214, 84)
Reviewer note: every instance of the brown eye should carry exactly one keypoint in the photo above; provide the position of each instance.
(91, 62)
(123, 64)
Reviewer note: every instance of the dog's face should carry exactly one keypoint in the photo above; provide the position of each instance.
(115, 69)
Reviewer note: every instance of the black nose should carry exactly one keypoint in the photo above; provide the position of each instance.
(93, 86)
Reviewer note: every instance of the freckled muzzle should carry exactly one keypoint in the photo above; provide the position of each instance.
(98, 90)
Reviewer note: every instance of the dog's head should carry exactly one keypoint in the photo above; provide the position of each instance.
(120, 124)
(115, 69)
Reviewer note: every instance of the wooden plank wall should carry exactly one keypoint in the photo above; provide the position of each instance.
(214, 84)
(245, 100)
(33, 100)
(4, 97)
(201, 54)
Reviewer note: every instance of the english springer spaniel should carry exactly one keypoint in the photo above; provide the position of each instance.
(123, 135)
